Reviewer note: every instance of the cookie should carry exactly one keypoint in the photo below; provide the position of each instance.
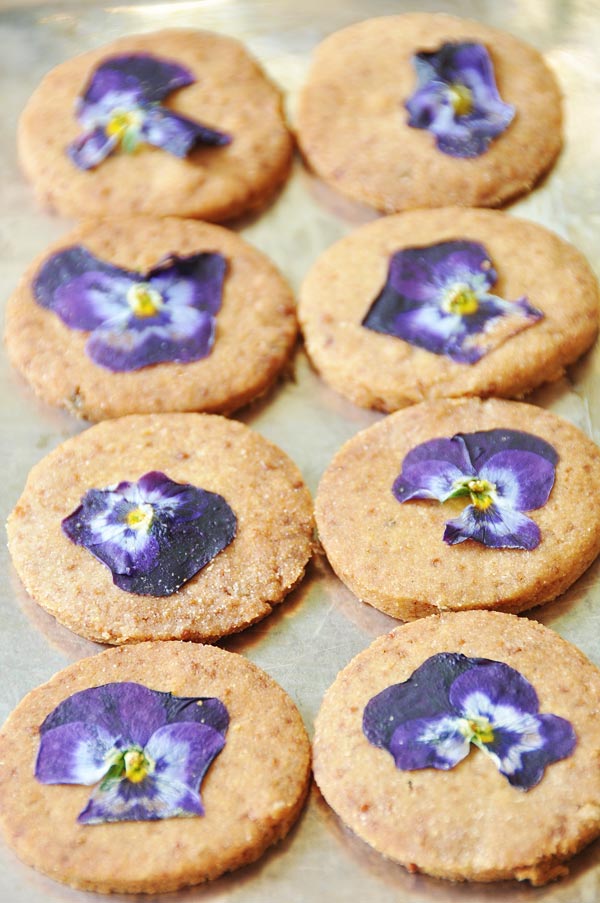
(206, 524)
(515, 528)
(106, 355)
(175, 122)
(383, 323)
(245, 809)
(442, 75)
(475, 819)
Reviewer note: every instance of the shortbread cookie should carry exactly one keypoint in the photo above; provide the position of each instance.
(457, 77)
(446, 303)
(516, 526)
(175, 122)
(519, 805)
(172, 526)
(249, 739)
(138, 315)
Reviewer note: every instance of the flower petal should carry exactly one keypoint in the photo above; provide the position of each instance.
(482, 445)
(431, 469)
(523, 479)
(145, 78)
(90, 149)
(178, 134)
(194, 281)
(429, 743)
(73, 753)
(477, 691)
(498, 527)
(557, 741)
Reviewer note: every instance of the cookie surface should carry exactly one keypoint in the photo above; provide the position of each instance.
(386, 372)
(265, 560)
(352, 123)
(255, 327)
(467, 823)
(246, 808)
(230, 94)
(393, 556)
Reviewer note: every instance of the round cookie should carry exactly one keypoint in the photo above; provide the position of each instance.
(254, 335)
(353, 126)
(392, 554)
(230, 94)
(467, 823)
(246, 808)
(386, 372)
(239, 586)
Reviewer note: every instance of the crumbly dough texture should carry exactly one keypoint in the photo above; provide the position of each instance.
(352, 123)
(393, 556)
(255, 333)
(237, 588)
(231, 93)
(252, 793)
(387, 373)
(467, 823)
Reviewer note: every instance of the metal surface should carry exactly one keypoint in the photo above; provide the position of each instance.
(321, 626)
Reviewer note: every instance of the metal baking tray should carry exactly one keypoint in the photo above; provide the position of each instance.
(321, 626)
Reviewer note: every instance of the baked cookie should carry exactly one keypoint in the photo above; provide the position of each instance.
(138, 315)
(164, 526)
(515, 529)
(519, 805)
(447, 303)
(175, 122)
(146, 828)
(425, 110)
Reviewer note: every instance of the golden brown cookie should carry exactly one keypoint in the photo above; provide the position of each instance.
(254, 327)
(258, 552)
(229, 93)
(353, 126)
(387, 372)
(410, 559)
(468, 822)
(252, 792)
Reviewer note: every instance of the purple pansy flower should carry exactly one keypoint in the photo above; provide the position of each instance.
(438, 298)
(147, 751)
(451, 701)
(120, 109)
(457, 99)
(135, 319)
(503, 472)
(154, 534)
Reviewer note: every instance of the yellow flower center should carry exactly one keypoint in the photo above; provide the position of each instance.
(479, 730)
(461, 300)
(140, 518)
(123, 120)
(144, 300)
(461, 99)
(481, 493)
(137, 765)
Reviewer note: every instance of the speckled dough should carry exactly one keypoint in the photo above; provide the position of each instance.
(352, 124)
(238, 587)
(393, 556)
(256, 328)
(467, 823)
(387, 373)
(252, 793)
(231, 94)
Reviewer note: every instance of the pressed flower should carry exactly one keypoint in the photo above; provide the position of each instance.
(438, 297)
(147, 751)
(457, 99)
(120, 110)
(153, 534)
(451, 702)
(135, 319)
(502, 472)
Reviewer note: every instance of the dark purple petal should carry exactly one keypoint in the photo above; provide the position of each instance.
(558, 741)
(523, 479)
(178, 134)
(482, 445)
(497, 527)
(73, 753)
(146, 77)
(88, 150)
(430, 469)
(195, 281)
(499, 683)
(429, 743)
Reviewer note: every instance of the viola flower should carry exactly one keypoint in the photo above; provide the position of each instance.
(438, 298)
(135, 319)
(153, 534)
(147, 751)
(120, 110)
(503, 472)
(451, 701)
(457, 99)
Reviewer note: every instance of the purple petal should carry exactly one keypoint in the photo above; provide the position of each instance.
(73, 753)
(429, 743)
(498, 527)
(90, 149)
(178, 134)
(523, 479)
(498, 684)
(430, 469)
(146, 77)
(558, 740)
(482, 445)
(195, 281)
